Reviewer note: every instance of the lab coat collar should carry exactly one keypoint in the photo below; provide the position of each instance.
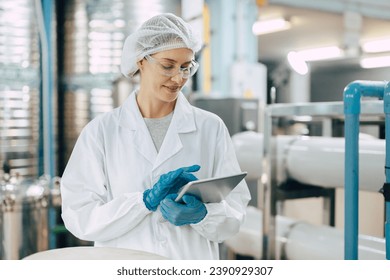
(129, 115)
(130, 118)
(183, 121)
(183, 117)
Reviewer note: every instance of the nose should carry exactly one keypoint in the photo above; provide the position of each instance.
(178, 78)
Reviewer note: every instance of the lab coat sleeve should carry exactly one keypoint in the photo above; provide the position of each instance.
(223, 220)
(87, 211)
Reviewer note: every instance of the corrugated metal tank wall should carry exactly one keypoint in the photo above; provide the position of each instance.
(95, 31)
(19, 87)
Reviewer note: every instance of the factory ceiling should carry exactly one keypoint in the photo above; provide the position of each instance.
(321, 23)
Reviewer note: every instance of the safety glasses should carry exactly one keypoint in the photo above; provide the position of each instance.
(171, 70)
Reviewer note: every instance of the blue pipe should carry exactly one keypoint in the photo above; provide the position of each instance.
(351, 111)
(47, 14)
(49, 164)
(352, 95)
(386, 105)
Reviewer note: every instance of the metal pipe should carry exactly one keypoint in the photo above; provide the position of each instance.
(268, 173)
(44, 12)
(351, 186)
(298, 157)
(386, 103)
(307, 158)
(352, 95)
(298, 240)
(268, 228)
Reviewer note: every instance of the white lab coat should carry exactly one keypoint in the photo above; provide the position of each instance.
(114, 161)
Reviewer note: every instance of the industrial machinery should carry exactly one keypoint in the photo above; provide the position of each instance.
(24, 227)
(304, 160)
(293, 166)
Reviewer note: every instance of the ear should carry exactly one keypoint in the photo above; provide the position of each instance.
(140, 64)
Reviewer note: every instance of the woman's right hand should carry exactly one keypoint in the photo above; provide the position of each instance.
(168, 183)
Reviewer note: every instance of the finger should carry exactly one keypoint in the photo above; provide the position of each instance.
(188, 177)
(192, 168)
(190, 199)
(171, 196)
(182, 180)
(164, 213)
(174, 177)
(171, 177)
(168, 202)
(172, 206)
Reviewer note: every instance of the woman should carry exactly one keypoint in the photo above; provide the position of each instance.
(119, 186)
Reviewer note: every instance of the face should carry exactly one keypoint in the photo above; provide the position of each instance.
(154, 81)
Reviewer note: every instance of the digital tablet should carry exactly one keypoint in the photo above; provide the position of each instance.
(212, 189)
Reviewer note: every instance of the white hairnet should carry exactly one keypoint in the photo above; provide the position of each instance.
(159, 33)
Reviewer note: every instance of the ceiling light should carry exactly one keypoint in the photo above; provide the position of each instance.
(331, 52)
(261, 27)
(297, 63)
(375, 62)
(382, 45)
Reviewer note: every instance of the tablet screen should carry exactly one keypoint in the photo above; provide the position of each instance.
(212, 189)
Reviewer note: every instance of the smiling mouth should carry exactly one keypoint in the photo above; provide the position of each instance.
(173, 88)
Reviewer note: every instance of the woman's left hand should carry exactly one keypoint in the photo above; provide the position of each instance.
(190, 210)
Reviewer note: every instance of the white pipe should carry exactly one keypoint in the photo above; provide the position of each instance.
(307, 241)
(315, 161)
(249, 151)
(297, 240)
(320, 161)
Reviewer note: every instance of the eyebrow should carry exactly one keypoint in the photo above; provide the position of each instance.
(172, 60)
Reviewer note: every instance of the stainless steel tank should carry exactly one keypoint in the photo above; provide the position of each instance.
(23, 200)
(19, 87)
(24, 228)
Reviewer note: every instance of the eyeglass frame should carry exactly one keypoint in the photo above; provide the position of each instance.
(181, 70)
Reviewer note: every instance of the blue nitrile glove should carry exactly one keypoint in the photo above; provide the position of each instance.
(190, 210)
(168, 183)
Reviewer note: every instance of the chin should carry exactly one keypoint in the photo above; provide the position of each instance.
(172, 94)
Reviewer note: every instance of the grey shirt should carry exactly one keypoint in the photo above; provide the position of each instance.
(158, 128)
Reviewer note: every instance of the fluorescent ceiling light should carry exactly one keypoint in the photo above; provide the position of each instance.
(382, 45)
(297, 63)
(321, 53)
(261, 27)
(375, 62)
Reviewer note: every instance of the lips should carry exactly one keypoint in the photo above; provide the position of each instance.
(173, 88)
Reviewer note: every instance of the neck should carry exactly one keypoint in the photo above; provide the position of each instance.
(153, 108)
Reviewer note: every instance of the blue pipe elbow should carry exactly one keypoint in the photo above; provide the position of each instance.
(352, 98)
(355, 90)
